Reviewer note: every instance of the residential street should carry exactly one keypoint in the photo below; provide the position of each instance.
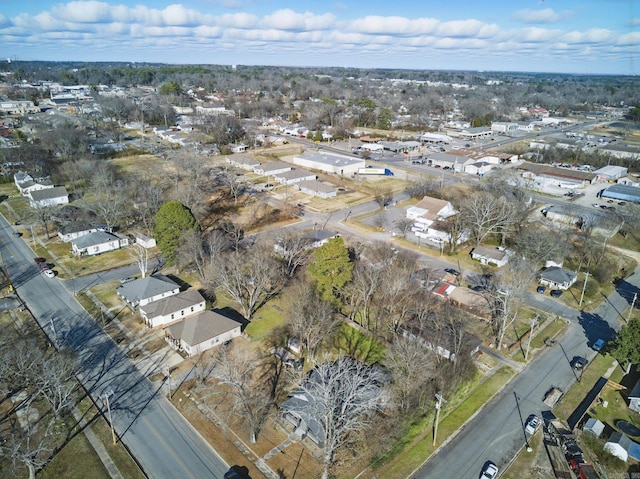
(496, 434)
(162, 441)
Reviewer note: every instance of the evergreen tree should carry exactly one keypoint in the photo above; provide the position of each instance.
(626, 346)
(173, 219)
(331, 269)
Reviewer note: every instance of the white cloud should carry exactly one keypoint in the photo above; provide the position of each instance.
(466, 28)
(83, 12)
(546, 15)
(590, 36)
(178, 33)
(289, 20)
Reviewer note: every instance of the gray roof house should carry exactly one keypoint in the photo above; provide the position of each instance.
(173, 308)
(556, 277)
(496, 256)
(145, 290)
(98, 242)
(202, 331)
(57, 195)
(634, 398)
(75, 230)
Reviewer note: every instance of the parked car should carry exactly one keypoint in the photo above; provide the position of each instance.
(128, 279)
(541, 289)
(452, 271)
(579, 362)
(39, 260)
(49, 274)
(532, 424)
(597, 346)
(489, 471)
(556, 293)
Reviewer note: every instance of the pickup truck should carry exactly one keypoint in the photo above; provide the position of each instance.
(552, 396)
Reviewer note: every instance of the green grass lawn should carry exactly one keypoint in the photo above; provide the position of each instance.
(574, 396)
(361, 346)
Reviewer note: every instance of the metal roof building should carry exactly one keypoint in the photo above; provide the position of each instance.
(622, 193)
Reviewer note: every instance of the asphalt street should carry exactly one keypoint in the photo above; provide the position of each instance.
(496, 434)
(163, 442)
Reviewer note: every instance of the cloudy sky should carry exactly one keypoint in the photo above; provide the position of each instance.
(577, 36)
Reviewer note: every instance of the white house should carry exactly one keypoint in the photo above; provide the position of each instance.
(146, 290)
(294, 176)
(201, 331)
(426, 213)
(557, 277)
(75, 230)
(316, 188)
(496, 256)
(329, 163)
(144, 240)
(49, 197)
(272, 168)
(173, 308)
(479, 168)
(243, 161)
(98, 242)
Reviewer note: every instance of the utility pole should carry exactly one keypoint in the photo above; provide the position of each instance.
(534, 321)
(524, 431)
(439, 401)
(6, 273)
(633, 303)
(584, 286)
(106, 403)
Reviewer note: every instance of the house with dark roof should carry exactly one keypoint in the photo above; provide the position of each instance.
(56, 195)
(173, 308)
(201, 331)
(75, 230)
(557, 277)
(98, 242)
(145, 290)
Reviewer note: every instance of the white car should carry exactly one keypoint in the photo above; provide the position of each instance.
(49, 274)
(489, 471)
(533, 423)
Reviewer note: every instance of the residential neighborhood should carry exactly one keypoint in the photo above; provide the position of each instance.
(247, 255)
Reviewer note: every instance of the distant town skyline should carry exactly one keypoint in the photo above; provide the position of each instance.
(585, 37)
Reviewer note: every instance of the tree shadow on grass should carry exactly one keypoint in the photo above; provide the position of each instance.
(359, 345)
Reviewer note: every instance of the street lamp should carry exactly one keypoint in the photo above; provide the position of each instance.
(106, 403)
(524, 431)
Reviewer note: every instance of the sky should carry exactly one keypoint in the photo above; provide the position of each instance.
(577, 36)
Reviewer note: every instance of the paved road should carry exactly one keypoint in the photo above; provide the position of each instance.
(164, 443)
(496, 434)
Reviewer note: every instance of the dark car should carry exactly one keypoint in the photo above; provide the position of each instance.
(39, 260)
(541, 289)
(452, 271)
(556, 293)
(579, 362)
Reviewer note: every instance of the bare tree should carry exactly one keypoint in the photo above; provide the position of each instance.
(404, 226)
(233, 181)
(343, 397)
(382, 195)
(310, 319)
(249, 279)
(410, 362)
(486, 214)
(239, 369)
(293, 250)
(140, 255)
(41, 385)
